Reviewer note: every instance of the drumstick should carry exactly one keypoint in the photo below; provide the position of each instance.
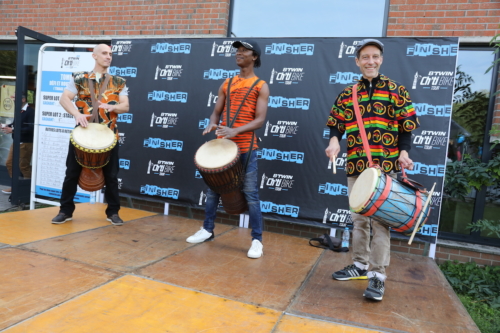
(334, 162)
(421, 214)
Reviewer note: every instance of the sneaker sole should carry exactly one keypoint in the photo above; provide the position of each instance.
(352, 278)
(255, 257)
(114, 223)
(373, 297)
(203, 241)
(53, 222)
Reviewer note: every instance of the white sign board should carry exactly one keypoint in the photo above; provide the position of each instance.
(53, 124)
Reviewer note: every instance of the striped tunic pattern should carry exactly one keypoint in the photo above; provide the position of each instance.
(239, 88)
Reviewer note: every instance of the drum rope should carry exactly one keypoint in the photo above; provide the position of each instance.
(95, 106)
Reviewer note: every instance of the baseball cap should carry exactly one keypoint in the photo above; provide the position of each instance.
(369, 41)
(250, 45)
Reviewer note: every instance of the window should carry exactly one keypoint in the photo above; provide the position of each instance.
(313, 18)
(472, 108)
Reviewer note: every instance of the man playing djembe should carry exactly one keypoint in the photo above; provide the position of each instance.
(389, 117)
(113, 101)
(250, 117)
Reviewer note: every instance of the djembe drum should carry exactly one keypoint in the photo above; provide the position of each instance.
(219, 164)
(93, 145)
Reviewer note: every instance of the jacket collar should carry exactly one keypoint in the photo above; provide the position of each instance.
(366, 83)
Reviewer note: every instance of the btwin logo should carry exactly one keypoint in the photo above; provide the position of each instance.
(426, 50)
(435, 80)
(332, 189)
(431, 140)
(164, 120)
(340, 162)
(348, 50)
(161, 168)
(295, 49)
(125, 118)
(282, 129)
(290, 103)
(225, 49)
(424, 109)
(171, 48)
(212, 99)
(124, 164)
(70, 62)
(287, 210)
(168, 192)
(121, 138)
(287, 76)
(165, 144)
(277, 182)
(342, 217)
(122, 47)
(277, 155)
(344, 77)
(123, 71)
(219, 74)
(178, 96)
(170, 72)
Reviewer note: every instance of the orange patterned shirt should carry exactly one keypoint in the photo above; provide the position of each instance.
(239, 88)
(84, 101)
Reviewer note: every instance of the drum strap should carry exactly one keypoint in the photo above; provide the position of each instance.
(95, 105)
(231, 123)
(361, 127)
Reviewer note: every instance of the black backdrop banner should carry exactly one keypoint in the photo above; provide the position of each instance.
(173, 85)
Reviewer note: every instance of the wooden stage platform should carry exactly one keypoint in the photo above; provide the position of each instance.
(90, 276)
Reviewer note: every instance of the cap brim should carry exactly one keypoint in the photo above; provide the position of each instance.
(237, 44)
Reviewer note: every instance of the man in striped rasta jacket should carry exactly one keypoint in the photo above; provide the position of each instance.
(389, 117)
(250, 117)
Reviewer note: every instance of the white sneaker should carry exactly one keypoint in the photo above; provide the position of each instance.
(255, 250)
(200, 236)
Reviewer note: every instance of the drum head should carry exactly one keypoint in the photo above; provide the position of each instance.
(216, 153)
(94, 136)
(363, 188)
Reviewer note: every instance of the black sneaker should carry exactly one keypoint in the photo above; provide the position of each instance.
(115, 219)
(350, 272)
(375, 289)
(61, 218)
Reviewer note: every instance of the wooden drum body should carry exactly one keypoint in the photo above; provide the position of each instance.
(93, 145)
(219, 164)
(389, 201)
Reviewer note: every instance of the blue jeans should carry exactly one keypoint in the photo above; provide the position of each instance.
(251, 192)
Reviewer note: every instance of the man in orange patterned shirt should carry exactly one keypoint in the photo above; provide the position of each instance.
(250, 118)
(117, 102)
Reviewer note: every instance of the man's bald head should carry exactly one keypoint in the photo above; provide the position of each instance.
(102, 55)
(100, 47)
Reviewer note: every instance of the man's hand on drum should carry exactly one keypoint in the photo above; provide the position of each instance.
(226, 132)
(210, 128)
(333, 148)
(82, 119)
(405, 160)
